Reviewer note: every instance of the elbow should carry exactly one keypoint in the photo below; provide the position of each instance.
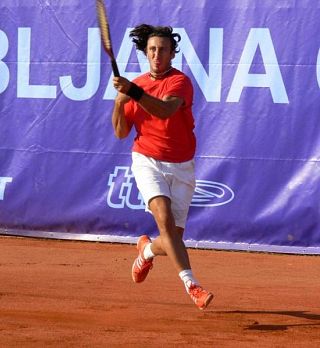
(120, 135)
(120, 132)
(167, 111)
(165, 114)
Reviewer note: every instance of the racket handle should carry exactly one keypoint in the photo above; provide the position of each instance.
(115, 68)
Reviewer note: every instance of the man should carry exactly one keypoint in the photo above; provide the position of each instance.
(159, 105)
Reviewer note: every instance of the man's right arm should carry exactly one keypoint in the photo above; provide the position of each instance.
(119, 122)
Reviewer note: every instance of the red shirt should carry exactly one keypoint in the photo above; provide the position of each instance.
(172, 139)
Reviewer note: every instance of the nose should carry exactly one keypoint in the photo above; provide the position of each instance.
(156, 53)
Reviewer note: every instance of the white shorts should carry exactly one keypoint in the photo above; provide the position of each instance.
(173, 180)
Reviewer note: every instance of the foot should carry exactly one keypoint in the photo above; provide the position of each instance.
(199, 296)
(141, 266)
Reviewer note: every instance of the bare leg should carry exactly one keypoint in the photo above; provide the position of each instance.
(170, 241)
(156, 246)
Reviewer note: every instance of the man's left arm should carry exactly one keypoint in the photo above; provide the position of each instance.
(161, 108)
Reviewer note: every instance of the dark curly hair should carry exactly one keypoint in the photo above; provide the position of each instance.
(141, 33)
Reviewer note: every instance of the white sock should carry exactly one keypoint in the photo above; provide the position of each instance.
(187, 277)
(147, 252)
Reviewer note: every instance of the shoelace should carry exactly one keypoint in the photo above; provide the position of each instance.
(195, 290)
(143, 263)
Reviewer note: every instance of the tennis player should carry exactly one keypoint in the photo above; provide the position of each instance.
(159, 106)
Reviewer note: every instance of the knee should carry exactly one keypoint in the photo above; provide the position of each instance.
(161, 210)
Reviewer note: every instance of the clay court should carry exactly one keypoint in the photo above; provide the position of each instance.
(80, 294)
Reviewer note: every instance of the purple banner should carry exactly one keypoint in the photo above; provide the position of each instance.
(255, 67)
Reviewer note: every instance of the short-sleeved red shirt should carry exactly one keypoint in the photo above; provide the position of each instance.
(172, 139)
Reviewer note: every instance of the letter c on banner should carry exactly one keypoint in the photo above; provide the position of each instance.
(318, 68)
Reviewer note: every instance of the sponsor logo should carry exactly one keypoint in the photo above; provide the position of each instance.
(210, 81)
(4, 180)
(123, 193)
(211, 194)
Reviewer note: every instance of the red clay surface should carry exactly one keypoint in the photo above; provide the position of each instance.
(80, 294)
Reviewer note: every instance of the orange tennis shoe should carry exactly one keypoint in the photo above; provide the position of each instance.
(141, 266)
(199, 296)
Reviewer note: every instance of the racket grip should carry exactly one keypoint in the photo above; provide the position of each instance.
(115, 68)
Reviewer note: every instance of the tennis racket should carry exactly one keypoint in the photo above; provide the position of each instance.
(105, 34)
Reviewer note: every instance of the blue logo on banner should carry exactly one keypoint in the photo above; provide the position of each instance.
(211, 194)
(124, 193)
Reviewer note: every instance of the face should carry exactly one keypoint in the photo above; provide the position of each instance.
(159, 54)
